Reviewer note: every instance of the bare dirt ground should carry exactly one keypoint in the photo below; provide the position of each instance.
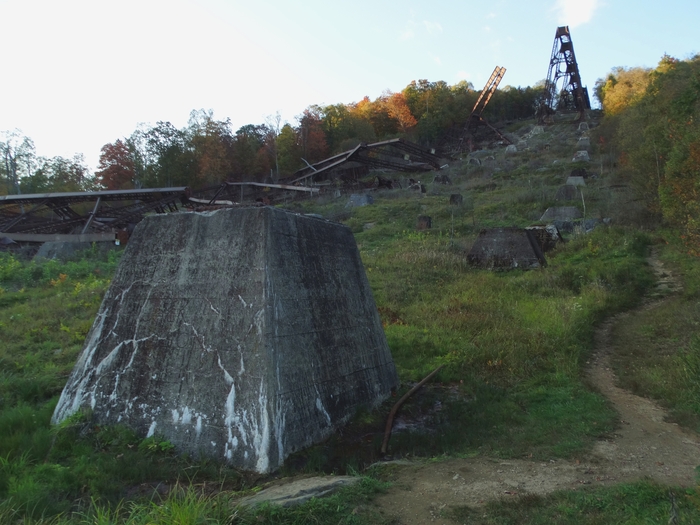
(644, 446)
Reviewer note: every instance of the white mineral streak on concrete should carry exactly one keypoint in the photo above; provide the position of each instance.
(120, 297)
(186, 416)
(229, 421)
(321, 408)
(280, 421)
(242, 369)
(261, 440)
(198, 427)
(176, 415)
(259, 320)
(212, 307)
(227, 376)
(199, 338)
(82, 368)
(151, 429)
(245, 305)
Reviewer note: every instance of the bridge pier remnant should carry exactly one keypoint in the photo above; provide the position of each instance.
(243, 334)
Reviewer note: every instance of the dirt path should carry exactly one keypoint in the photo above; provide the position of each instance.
(644, 446)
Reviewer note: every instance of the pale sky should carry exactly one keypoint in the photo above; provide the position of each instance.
(78, 74)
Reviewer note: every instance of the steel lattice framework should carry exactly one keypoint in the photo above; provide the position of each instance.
(90, 215)
(564, 72)
(457, 139)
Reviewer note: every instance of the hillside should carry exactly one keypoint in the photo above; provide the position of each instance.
(515, 348)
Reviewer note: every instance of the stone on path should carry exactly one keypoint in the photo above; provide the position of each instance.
(299, 491)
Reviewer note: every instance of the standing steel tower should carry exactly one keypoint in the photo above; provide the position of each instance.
(571, 96)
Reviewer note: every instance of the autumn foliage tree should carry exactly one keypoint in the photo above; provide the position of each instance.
(116, 170)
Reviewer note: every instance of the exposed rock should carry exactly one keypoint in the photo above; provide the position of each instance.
(424, 223)
(474, 161)
(442, 179)
(240, 334)
(359, 199)
(581, 156)
(576, 181)
(583, 126)
(511, 149)
(299, 491)
(548, 237)
(583, 143)
(456, 199)
(579, 172)
(506, 248)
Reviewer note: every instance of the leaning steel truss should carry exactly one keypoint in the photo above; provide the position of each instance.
(563, 89)
(459, 138)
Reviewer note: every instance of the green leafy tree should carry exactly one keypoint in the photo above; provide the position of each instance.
(289, 151)
(18, 159)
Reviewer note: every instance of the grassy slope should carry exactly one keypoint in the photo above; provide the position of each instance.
(512, 345)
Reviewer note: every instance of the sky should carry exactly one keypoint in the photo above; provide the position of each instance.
(78, 74)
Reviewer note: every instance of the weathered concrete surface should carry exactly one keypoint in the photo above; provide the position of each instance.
(561, 213)
(243, 334)
(581, 156)
(567, 192)
(548, 237)
(576, 181)
(506, 248)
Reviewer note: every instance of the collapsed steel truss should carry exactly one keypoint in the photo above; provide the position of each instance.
(394, 154)
(571, 96)
(92, 215)
(458, 138)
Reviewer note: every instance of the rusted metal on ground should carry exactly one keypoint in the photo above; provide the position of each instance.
(572, 95)
(394, 154)
(395, 408)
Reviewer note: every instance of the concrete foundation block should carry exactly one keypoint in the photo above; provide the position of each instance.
(240, 334)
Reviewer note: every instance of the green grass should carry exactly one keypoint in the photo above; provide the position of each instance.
(512, 346)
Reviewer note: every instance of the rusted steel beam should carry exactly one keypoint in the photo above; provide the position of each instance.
(106, 195)
(459, 138)
(488, 91)
(276, 186)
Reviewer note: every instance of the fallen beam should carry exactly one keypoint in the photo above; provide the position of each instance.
(59, 237)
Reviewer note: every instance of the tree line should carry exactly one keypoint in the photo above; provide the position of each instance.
(652, 127)
(207, 151)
